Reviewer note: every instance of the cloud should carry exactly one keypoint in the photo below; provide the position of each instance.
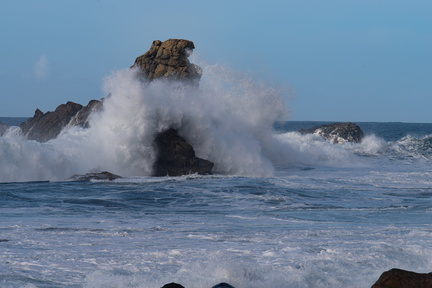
(41, 68)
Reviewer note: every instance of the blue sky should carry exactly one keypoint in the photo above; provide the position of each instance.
(347, 60)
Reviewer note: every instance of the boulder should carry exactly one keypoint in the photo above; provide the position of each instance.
(168, 59)
(397, 278)
(337, 132)
(176, 157)
(105, 175)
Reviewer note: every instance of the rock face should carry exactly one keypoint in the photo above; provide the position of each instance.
(45, 126)
(337, 132)
(397, 278)
(169, 59)
(176, 157)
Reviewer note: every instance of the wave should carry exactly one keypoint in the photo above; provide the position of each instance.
(227, 120)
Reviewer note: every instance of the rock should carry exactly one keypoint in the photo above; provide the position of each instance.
(176, 157)
(45, 126)
(397, 278)
(172, 285)
(168, 59)
(105, 175)
(337, 132)
(82, 117)
(223, 285)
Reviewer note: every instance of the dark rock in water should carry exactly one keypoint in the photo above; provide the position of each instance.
(397, 278)
(172, 285)
(337, 132)
(45, 126)
(168, 59)
(223, 285)
(176, 157)
(95, 176)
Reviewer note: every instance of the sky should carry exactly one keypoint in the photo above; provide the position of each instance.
(334, 60)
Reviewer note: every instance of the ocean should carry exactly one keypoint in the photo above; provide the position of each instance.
(282, 209)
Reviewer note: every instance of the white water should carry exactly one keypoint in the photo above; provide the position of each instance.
(227, 120)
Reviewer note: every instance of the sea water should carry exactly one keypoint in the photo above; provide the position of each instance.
(281, 210)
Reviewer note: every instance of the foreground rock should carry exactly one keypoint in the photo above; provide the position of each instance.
(337, 132)
(105, 175)
(176, 157)
(397, 278)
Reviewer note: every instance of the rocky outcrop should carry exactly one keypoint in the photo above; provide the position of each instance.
(397, 278)
(45, 126)
(168, 59)
(176, 157)
(337, 132)
(95, 176)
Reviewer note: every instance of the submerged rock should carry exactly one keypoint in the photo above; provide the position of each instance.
(176, 157)
(397, 278)
(337, 132)
(105, 175)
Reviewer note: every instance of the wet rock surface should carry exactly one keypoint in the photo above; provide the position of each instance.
(337, 133)
(398, 278)
(176, 157)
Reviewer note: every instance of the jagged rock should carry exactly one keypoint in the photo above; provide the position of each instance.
(105, 175)
(337, 132)
(176, 157)
(83, 116)
(168, 59)
(45, 126)
(397, 278)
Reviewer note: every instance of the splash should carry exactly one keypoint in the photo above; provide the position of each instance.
(227, 120)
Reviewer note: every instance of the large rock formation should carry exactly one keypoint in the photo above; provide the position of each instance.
(166, 60)
(176, 157)
(397, 278)
(169, 59)
(337, 132)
